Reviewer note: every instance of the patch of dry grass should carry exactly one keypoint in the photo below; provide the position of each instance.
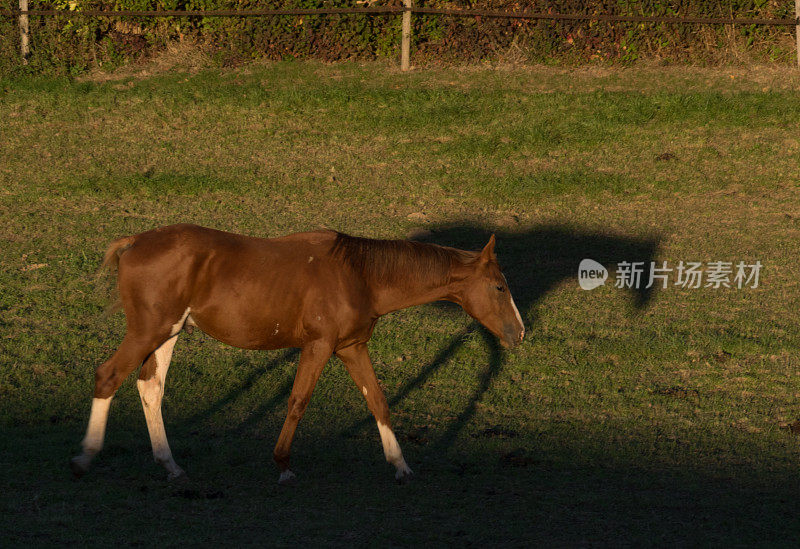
(185, 57)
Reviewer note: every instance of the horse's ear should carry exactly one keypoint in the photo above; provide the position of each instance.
(487, 254)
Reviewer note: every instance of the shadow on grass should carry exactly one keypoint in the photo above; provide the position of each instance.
(242, 388)
(575, 485)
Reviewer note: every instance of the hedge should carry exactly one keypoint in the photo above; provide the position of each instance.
(74, 43)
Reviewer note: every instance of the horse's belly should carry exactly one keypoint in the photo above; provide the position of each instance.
(248, 331)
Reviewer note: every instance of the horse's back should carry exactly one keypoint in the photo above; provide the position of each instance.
(187, 243)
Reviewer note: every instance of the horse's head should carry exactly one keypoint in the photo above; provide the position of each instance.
(482, 291)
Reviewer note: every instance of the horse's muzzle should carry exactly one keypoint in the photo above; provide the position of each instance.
(512, 337)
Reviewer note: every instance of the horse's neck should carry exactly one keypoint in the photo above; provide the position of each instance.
(393, 296)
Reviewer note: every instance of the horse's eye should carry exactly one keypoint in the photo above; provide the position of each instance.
(500, 289)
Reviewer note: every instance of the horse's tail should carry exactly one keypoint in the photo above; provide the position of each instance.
(111, 263)
(114, 250)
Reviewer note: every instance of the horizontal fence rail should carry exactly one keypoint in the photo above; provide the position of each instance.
(606, 18)
(210, 13)
(23, 13)
(389, 10)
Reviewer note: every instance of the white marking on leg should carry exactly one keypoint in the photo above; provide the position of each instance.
(95, 433)
(391, 449)
(364, 390)
(151, 392)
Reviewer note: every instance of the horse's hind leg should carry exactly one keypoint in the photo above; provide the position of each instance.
(109, 376)
(151, 390)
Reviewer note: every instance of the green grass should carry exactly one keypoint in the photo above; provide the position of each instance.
(617, 422)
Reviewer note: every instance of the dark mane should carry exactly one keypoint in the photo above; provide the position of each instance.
(394, 261)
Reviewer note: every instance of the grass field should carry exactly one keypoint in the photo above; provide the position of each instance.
(662, 418)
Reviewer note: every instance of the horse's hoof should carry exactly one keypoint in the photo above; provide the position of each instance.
(287, 478)
(404, 477)
(79, 466)
(177, 476)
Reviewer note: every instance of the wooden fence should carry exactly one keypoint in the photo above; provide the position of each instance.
(407, 10)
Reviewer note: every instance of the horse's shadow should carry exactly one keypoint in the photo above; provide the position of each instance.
(534, 261)
(247, 384)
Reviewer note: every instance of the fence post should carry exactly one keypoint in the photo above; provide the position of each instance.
(24, 32)
(405, 44)
(797, 28)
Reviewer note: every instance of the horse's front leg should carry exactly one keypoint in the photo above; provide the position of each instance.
(313, 358)
(356, 359)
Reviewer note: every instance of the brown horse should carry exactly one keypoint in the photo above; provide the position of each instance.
(319, 291)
